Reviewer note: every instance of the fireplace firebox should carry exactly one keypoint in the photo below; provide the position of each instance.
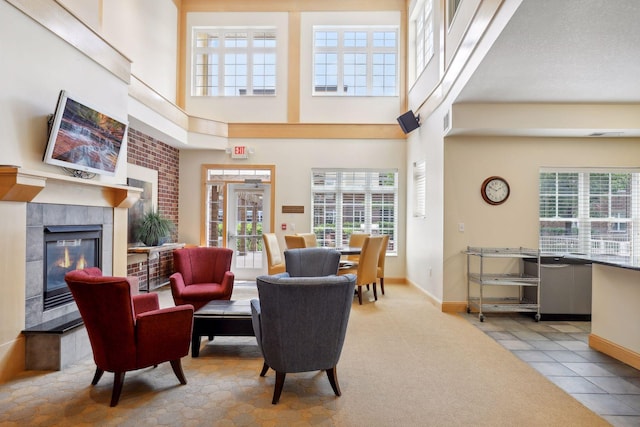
(67, 248)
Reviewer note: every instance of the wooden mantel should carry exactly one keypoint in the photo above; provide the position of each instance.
(20, 185)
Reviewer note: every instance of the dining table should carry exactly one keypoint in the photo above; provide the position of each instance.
(349, 250)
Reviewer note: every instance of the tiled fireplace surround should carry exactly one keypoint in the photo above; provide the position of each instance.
(40, 215)
(56, 351)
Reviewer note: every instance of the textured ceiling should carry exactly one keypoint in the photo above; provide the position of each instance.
(584, 51)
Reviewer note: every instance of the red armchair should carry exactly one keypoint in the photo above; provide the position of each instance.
(202, 275)
(128, 332)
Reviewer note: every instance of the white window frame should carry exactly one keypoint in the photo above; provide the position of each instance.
(424, 37)
(339, 184)
(575, 208)
(213, 73)
(371, 67)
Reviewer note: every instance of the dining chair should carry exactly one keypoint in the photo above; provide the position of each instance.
(275, 262)
(310, 239)
(294, 241)
(381, 259)
(356, 240)
(367, 269)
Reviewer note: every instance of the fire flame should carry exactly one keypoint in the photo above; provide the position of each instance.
(65, 262)
(82, 263)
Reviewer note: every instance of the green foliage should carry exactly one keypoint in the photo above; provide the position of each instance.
(152, 228)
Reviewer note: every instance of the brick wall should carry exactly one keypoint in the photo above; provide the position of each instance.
(151, 153)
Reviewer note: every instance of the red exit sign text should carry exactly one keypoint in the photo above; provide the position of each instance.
(240, 152)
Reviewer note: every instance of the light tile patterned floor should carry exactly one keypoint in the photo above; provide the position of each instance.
(559, 350)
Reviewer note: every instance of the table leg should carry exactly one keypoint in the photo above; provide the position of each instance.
(195, 344)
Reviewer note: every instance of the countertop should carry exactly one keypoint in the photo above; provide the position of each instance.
(609, 260)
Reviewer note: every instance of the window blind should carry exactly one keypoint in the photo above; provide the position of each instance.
(593, 212)
(419, 189)
(346, 201)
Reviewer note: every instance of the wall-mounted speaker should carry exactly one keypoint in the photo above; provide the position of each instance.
(409, 121)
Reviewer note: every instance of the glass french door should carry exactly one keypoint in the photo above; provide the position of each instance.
(247, 216)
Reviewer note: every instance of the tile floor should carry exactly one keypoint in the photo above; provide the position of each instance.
(559, 350)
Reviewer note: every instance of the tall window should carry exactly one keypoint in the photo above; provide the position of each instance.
(593, 212)
(232, 62)
(354, 201)
(424, 35)
(355, 61)
(452, 8)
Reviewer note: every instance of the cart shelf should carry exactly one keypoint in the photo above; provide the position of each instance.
(518, 279)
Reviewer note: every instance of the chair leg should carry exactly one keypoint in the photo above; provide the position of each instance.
(265, 368)
(375, 292)
(332, 374)
(97, 376)
(118, 380)
(278, 389)
(360, 295)
(176, 365)
(382, 285)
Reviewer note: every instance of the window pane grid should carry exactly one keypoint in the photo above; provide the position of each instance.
(234, 63)
(424, 36)
(591, 212)
(355, 62)
(354, 201)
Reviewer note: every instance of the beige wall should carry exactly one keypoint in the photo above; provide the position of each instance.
(146, 31)
(293, 160)
(616, 292)
(469, 160)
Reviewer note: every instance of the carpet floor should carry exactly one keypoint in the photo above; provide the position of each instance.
(404, 363)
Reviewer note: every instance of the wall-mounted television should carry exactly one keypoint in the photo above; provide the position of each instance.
(83, 140)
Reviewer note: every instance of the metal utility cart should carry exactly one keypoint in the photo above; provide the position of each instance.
(484, 278)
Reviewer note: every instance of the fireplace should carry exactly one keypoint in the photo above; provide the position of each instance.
(43, 220)
(68, 247)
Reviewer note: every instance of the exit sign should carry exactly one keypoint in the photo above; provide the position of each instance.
(240, 152)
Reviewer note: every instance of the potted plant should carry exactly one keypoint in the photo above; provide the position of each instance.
(153, 229)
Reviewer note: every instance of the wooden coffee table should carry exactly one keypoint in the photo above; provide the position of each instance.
(222, 318)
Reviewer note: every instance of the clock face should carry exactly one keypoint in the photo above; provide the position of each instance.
(495, 190)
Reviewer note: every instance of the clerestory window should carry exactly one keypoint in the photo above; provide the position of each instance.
(423, 25)
(355, 61)
(233, 62)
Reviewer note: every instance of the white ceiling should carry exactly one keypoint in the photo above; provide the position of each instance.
(563, 51)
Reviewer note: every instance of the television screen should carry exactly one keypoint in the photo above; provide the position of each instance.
(84, 139)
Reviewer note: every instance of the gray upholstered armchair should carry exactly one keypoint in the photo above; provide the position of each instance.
(311, 262)
(300, 324)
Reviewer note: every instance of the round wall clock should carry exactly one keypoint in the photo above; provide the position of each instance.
(495, 190)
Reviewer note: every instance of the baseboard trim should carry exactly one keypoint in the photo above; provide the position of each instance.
(614, 350)
(454, 306)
